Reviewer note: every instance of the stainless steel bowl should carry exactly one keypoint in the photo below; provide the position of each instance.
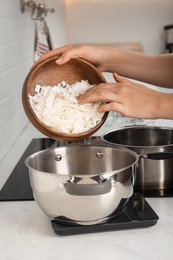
(82, 184)
(154, 146)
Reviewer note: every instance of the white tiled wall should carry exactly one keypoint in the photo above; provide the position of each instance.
(16, 57)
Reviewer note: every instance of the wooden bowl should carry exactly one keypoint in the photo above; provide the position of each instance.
(48, 73)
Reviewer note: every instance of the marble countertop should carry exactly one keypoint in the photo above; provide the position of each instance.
(26, 233)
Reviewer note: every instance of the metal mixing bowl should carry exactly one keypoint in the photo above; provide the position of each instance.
(82, 184)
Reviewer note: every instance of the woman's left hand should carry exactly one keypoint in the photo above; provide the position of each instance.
(126, 97)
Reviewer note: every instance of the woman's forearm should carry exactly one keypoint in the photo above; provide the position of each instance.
(164, 107)
(156, 70)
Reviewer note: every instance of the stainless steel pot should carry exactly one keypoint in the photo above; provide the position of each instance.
(82, 184)
(154, 146)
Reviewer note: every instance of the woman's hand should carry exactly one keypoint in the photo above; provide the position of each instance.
(98, 55)
(126, 97)
(91, 53)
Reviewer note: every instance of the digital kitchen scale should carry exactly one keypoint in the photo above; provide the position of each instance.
(137, 214)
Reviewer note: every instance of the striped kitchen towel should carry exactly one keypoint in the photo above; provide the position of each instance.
(42, 39)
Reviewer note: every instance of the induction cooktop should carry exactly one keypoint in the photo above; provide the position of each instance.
(17, 186)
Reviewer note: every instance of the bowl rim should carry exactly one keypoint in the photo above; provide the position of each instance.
(58, 150)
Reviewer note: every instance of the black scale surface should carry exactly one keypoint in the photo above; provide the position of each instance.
(137, 214)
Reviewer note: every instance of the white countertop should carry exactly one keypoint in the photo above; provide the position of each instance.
(26, 233)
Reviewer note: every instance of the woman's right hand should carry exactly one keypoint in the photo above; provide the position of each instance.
(92, 53)
(98, 55)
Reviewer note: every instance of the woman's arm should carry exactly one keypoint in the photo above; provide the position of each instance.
(153, 69)
(156, 70)
(126, 97)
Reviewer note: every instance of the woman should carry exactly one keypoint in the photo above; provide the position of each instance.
(125, 96)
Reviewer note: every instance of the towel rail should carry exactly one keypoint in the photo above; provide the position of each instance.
(38, 10)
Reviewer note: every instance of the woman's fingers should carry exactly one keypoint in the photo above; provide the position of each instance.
(92, 97)
(117, 77)
(69, 52)
(112, 106)
(100, 93)
(126, 97)
(57, 53)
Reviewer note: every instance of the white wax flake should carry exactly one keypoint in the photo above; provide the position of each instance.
(37, 88)
(57, 107)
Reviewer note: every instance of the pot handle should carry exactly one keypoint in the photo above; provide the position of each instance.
(88, 189)
(157, 156)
